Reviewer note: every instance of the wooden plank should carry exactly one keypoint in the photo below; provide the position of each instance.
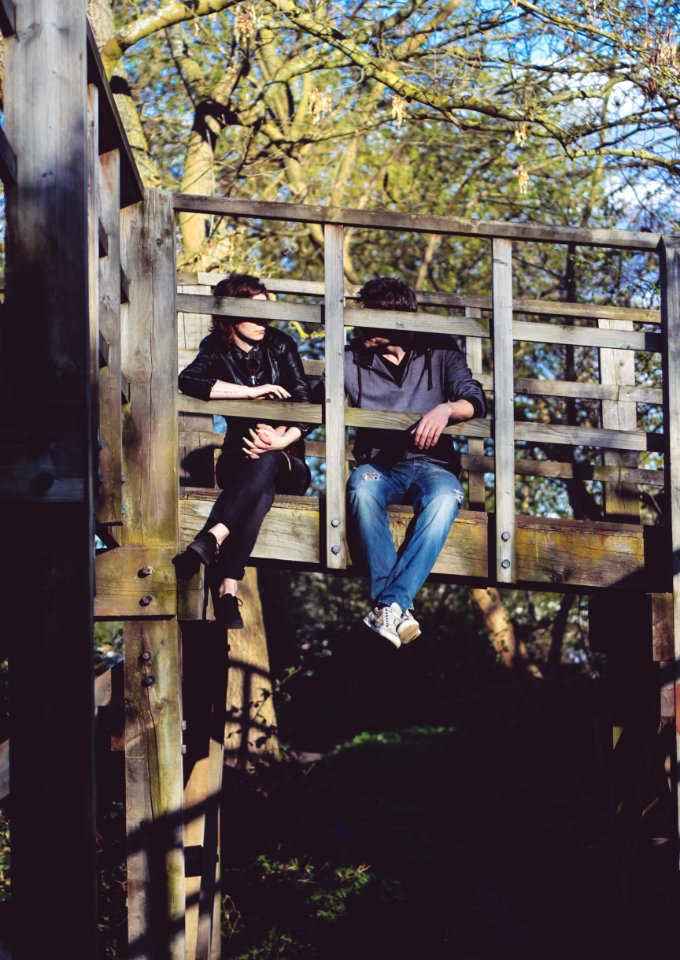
(112, 134)
(553, 308)
(53, 813)
(126, 590)
(205, 704)
(504, 406)
(334, 305)
(622, 500)
(412, 223)
(551, 552)
(538, 433)
(8, 162)
(581, 390)
(530, 331)
(7, 18)
(476, 489)
(670, 305)
(153, 789)
(247, 309)
(150, 501)
(109, 494)
(284, 411)
(98, 344)
(662, 627)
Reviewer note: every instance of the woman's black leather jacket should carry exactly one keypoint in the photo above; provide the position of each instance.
(217, 360)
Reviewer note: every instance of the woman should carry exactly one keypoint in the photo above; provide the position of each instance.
(244, 359)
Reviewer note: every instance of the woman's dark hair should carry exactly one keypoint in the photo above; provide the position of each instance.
(387, 293)
(236, 285)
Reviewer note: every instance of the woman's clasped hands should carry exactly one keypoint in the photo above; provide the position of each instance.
(264, 438)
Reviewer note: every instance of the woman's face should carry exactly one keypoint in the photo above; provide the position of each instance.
(251, 329)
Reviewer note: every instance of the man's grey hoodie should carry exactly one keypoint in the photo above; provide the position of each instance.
(436, 372)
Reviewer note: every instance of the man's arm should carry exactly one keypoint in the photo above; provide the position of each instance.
(429, 428)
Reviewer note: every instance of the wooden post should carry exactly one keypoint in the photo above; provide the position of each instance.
(336, 540)
(473, 354)
(46, 485)
(622, 500)
(504, 410)
(110, 410)
(670, 311)
(153, 738)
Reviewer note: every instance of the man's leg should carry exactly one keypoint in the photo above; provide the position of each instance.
(370, 489)
(436, 495)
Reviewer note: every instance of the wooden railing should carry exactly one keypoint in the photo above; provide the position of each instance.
(498, 319)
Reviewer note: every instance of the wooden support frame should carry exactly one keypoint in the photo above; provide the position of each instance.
(153, 736)
(504, 410)
(50, 438)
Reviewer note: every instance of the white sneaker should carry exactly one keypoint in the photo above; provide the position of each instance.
(408, 627)
(384, 620)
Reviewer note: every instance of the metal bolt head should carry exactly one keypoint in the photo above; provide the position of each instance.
(335, 549)
(146, 600)
(505, 536)
(335, 522)
(184, 724)
(505, 564)
(147, 656)
(148, 681)
(146, 571)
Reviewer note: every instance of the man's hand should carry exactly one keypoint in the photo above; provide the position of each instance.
(270, 391)
(429, 428)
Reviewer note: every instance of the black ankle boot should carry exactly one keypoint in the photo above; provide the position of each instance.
(227, 614)
(203, 549)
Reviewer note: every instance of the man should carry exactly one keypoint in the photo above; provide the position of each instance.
(403, 371)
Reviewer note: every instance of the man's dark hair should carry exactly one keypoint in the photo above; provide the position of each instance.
(243, 285)
(388, 293)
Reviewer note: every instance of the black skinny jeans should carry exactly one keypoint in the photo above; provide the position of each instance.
(248, 490)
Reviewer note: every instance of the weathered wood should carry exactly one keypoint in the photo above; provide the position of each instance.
(523, 330)
(205, 704)
(334, 305)
(8, 162)
(277, 409)
(581, 390)
(554, 552)
(670, 305)
(126, 590)
(306, 213)
(588, 437)
(246, 309)
(622, 500)
(662, 627)
(153, 789)
(476, 489)
(554, 308)
(250, 735)
(96, 339)
(46, 318)
(109, 498)
(150, 498)
(504, 407)
(112, 134)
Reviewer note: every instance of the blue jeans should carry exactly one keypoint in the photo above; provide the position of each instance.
(436, 496)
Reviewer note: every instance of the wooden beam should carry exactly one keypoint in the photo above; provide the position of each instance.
(50, 438)
(476, 488)
(551, 553)
(412, 223)
(109, 493)
(622, 500)
(153, 760)
(553, 308)
(670, 306)
(533, 332)
(334, 304)
(112, 134)
(135, 582)
(504, 411)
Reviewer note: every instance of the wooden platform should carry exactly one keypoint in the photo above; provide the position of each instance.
(563, 553)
